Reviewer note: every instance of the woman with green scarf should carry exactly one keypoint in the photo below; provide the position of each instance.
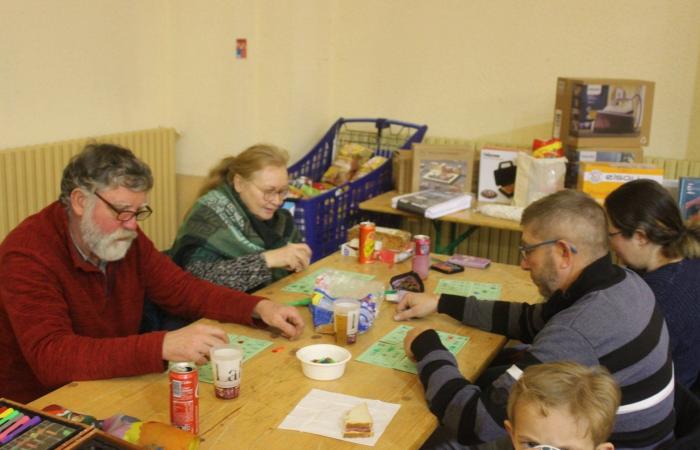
(236, 234)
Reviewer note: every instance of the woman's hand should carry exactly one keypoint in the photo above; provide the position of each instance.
(293, 257)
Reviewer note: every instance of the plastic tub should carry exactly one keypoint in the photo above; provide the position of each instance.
(323, 371)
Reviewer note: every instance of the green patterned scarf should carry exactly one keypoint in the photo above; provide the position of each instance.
(220, 227)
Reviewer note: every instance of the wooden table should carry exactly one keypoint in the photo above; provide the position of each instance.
(382, 204)
(273, 383)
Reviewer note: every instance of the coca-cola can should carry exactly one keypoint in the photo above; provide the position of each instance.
(184, 397)
(421, 260)
(422, 243)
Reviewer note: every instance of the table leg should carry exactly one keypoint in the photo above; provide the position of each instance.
(450, 248)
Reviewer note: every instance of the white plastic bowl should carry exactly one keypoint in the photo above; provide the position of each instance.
(321, 371)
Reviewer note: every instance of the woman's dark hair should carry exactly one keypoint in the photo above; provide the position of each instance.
(647, 206)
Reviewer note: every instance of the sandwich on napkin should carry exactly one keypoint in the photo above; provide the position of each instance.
(358, 422)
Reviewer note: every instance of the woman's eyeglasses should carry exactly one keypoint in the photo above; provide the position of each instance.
(272, 194)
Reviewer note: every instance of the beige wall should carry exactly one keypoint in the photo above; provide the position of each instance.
(476, 70)
(694, 135)
(74, 68)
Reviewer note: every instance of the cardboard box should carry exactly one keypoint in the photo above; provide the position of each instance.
(497, 169)
(606, 112)
(598, 179)
(52, 430)
(689, 198)
(577, 155)
(448, 168)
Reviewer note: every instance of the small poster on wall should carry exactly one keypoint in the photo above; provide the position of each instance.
(241, 48)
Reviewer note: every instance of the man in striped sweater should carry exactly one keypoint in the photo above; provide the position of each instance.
(595, 313)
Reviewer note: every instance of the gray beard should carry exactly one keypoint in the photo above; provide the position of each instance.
(108, 247)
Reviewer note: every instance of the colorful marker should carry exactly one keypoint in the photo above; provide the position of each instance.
(26, 423)
(302, 302)
(16, 424)
(6, 413)
(9, 420)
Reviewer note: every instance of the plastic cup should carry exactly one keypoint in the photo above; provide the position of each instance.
(226, 362)
(346, 319)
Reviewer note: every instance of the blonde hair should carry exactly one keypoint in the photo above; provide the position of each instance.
(588, 393)
(244, 165)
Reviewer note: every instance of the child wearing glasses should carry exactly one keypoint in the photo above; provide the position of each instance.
(562, 405)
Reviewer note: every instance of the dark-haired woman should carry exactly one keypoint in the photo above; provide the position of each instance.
(648, 235)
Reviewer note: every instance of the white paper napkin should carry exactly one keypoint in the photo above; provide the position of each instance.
(322, 412)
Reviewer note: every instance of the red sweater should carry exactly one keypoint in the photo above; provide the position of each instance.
(63, 320)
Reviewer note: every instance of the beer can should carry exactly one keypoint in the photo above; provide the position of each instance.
(421, 259)
(184, 397)
(367, 240)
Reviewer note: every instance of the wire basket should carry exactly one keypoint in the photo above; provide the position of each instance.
(324, 220)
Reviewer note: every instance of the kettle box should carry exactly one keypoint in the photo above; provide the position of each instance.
(608, 112)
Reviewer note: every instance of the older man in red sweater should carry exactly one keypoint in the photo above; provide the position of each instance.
(73, 278)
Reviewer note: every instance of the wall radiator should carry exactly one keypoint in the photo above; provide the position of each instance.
(30, 178)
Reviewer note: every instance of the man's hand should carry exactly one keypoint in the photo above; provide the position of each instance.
(416, 305)
(192, 343)
(285, 318)
(408, 340)
(293, 257)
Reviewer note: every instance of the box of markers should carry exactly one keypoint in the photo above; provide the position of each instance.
(23, 427)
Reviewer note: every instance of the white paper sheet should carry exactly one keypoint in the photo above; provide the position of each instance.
(322, 412)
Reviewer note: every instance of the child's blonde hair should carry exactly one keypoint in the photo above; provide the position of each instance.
(590, 394)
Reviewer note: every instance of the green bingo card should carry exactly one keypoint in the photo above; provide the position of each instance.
(306, 285)
(251, 347)
(388, 351)
(482, 291)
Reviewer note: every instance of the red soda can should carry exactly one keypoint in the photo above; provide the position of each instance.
(184, 397)
(421, 259)
(367, 240)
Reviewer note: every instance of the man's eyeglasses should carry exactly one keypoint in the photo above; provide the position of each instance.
(125, 215)
(527, 249)
(272, 194)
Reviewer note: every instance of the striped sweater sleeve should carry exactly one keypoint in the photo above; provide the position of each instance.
(468, 414)
(514, 320)
(472, 415)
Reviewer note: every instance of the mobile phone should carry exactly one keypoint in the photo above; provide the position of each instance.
(447, 267)
(470, 261)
